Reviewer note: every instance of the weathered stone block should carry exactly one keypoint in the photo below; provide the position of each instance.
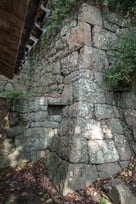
(73, 149)
(125, 100)
(73, 110)
(68, 93)
(52, 162)
(39, 140)
(21, 105)
(59, 45)
(101, 151)
(83, 74)
(38, 131)
(74, 76)
(88, 91)
(86, 74)
(58, 101)
(73, 59)
(123, 147)
(88, 85)
(38, 116)
(64, 127)
(45, 124)
(81, 109)
(124, 164)
(130, 117)
(103, 111)
(69, 63)
(115, 125)
(78, 151)
(79, 176)
(93, 58)
(54, 146)
(117, 20)
(90, 14)
(107, 170)
(90, 129)
(69, 177)
(86, 54)
(102, 37)
(80, 35)
(24, 105)
(64, 147)
(55, 118)
(58, 79)
(106, 130)
(65, 29)
(120, 194)
(60, 175)
(110, 97)
(110, 26)
(36, 155)
(99, 79)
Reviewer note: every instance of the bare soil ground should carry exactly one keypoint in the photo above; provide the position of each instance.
(29, 184)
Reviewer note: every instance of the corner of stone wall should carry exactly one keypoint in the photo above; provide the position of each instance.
(79, 120)
(91, 140)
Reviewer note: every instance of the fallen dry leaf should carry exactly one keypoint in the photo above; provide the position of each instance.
(32, 183)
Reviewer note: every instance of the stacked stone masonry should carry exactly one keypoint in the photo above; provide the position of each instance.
(28, 126)
(87, 129)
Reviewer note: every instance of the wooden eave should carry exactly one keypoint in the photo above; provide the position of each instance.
(17, 21)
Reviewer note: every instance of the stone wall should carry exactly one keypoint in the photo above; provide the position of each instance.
(27, 128)
(126, 103)
(19, 83)
(93, 138)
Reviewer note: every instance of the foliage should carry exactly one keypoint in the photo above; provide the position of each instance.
(59, 11)
(22, 164)
(103, 200)
(123, 56)
(15, 93)
(121, 6)
(124, 51)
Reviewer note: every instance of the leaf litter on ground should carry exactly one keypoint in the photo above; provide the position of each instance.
(30, 184)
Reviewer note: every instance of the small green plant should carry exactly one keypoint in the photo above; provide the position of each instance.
(123, 55)
(59, 11)
(120, 6)
(103, 200)
(16, 93)
(105, 3)
(22, 164)
(130, 166)
(13, 93)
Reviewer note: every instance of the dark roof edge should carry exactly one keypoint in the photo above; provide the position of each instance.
(31, 23)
